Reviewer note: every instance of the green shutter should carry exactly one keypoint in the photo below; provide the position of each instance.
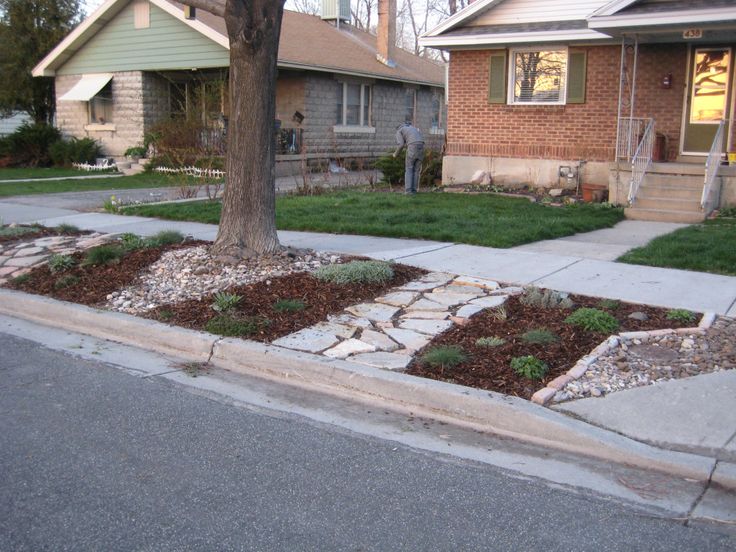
(576, 65)
(497, 78)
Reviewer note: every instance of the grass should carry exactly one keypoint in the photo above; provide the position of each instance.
(482, 219)
(707, 247)
(143, 180)
(39, 172)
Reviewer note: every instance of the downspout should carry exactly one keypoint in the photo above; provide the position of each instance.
(620, 100)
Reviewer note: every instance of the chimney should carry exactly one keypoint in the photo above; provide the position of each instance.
(386, 32)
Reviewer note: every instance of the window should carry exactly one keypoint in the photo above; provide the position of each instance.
(436, 114)
(710, 85)
(100, 106)
(410, 105)
(537, 76)
(353, 105)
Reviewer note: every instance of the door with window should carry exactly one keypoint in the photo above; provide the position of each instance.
(708, 98)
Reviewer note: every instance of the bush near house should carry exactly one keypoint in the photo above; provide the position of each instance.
(76, 150)
(29, 145)
(393, 168)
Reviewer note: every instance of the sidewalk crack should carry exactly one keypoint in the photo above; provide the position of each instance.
(556, 271)
(427, 251)
(702, 494)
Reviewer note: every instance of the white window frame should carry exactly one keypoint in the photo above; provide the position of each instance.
(363, 126)
(440, 128)
(95, 124)
(511, 92)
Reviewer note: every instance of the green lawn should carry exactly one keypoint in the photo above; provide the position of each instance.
(51, 172)
(707, 247)
(482, 219)
(143, 180)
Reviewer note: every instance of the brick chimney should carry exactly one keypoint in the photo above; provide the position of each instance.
(386, 32)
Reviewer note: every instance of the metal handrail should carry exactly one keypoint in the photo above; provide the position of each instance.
(630, 129)
(641, 161)
(712, 165)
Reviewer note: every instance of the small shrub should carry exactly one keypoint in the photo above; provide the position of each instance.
(165, 237)
(392, 168)
(29, 145)
(499, 313)
(681, 315)
(356, 272)
(229, 326)
(20, 280)
(111, 205)
(609, 304)
(225, 302)
(68, 280)
(131, 242)
(289, 305)
(75, 150)
(103, 255)
(546, 299)
(593, 320)
(13, 231)
(529, 367)
(59, 263)
(540, 336)
(136, 151)
(490, 341)
(444, 356)
(66, 229)
(165, 314)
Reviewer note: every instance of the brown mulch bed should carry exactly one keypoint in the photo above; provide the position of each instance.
(489, 367)
(94, 282)
(39, 232)
(320, 299)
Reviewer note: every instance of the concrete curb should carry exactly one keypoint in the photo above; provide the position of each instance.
(486, 411)
(545, 395)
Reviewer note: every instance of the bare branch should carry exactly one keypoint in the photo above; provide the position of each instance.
(215, 7)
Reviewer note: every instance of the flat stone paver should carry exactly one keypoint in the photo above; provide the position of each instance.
(429, 327)
(469, 310)
(349, 320)
(338, 330)
(308, 340)
(420, 286)
(447, 299)
(398, 298)
(349, 347)
(476, 282)
(28, 251)
(425, 305)
(489, 302)
(426, 315)
(23, 262)
(375, 312)
(379, 340)
(382, 359)
(410, 339)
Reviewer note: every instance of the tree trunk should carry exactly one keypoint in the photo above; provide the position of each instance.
(248, 221)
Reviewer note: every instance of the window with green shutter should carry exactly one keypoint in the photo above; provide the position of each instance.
(497, 78)
(576, 75)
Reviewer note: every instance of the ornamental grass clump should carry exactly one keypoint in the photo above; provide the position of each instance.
(540, 336)
(492, 341)
(289, 305)
(609, 304)
(66, 229)
(529, 367)
(60, 263)
(231, 326)
(68, 280)
(593, 320)
(131, 241)
(681, 315)
(445, 356)
(356, 272)
(103, 255)
(545, 298)
(165, 237)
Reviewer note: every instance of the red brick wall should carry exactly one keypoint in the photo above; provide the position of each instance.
(575, 131)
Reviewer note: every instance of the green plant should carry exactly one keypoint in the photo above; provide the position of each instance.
(12, 231)
(29, 145)
(445, 356)
(65, 228)
(68, 280)
(289, 305)
(225, 302)
(540, 336)
(75, 150)
(529, 367)
(499, 313)
(490, 341)
(20, 280)
(593, 320)
(165, 237)
(230, 326)
(59, 263)
(545, 298)
(136, 151)
(102, 255)
(728, 212)
(131, 242)
(609, 304)
(111, 205)
(165, 314)
(356, 272)
(392, 168)
(681, 315)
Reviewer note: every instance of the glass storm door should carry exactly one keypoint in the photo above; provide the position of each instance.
(708, 98)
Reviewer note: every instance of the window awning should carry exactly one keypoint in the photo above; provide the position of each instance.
(87, 87)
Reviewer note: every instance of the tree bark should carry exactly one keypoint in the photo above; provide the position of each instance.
(248, 220)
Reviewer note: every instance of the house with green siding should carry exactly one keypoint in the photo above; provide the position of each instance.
(340, 91)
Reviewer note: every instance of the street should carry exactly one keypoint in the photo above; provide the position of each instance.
(97, 458)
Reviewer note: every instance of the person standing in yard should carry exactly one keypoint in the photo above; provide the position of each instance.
(410, 136)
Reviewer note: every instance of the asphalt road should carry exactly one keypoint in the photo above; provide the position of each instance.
(93, 458)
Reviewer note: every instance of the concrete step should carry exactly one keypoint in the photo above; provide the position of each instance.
(133, 169)
(660, 215)
(670, 192)
(670, 169)
(123, 165)
(680, 180)
(667, 204)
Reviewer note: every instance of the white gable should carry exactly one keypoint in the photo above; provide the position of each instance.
(509, 12)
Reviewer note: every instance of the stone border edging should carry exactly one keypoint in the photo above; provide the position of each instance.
(546, 394)
(486, 411)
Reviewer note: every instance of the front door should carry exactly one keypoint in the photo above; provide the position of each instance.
(708, 98)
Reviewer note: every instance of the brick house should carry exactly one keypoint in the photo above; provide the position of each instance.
(635, 95)
(340, 91)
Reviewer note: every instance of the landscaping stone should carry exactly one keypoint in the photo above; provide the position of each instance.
(424, 305)
(379, 340)
(489, 302)
(464, 290)
(429, 327)
(641, 316)
(308, 339)
(338, 330)
(511, 290)
(469, 310)
(448, 299)
(426, 315)
(410, 339)
(375, 312)
(350, 320)
(398, 299)
(476, 282)
(25, 261)
(349, 347)
(28, 251)
(382, 359)
(420, 286)
(437, 277)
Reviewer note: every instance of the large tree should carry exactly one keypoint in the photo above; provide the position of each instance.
(29, 29)
(248, 221)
